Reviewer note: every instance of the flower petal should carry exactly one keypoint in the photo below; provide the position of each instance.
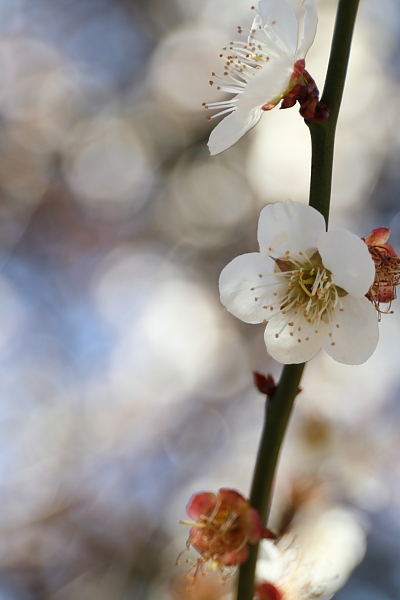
(271, 563)
(279, 18)
(233, 499)
(358, 333)
(239, 283)
(232, 128)
(347, 257)
(289, 226)
(201, 504)
(378, 236)
(234, 558)
(309, 28)
(268, 84)
(297, 348)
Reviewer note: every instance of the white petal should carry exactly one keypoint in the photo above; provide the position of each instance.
(232, 128)
(270, 563)
(279, 17)
(358, 333)
(289, 226)
(268, 83)
(308, 28)
(287, 348)
(236, 282)
(347, 257)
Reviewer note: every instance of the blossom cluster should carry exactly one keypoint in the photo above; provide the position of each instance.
(312, 288)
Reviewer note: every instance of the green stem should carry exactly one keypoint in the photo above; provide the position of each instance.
(323, 134)
(279, 409)
(277, 413)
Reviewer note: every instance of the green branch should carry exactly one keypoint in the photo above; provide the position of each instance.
(323, 134)
(278, 410)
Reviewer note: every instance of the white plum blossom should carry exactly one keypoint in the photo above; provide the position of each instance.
(307, 284)
(263, 69)
(313, 562)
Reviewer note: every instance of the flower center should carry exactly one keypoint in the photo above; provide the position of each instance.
(293, 83)
(311, 290)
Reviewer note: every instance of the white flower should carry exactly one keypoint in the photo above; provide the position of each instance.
(315, 559)
(261, 70)
(307, 284)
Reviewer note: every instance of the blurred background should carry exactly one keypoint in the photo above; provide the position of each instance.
(125, 386)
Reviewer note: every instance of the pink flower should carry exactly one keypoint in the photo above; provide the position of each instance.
(224, 526)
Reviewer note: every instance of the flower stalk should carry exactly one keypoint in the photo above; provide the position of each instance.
(277, 411)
